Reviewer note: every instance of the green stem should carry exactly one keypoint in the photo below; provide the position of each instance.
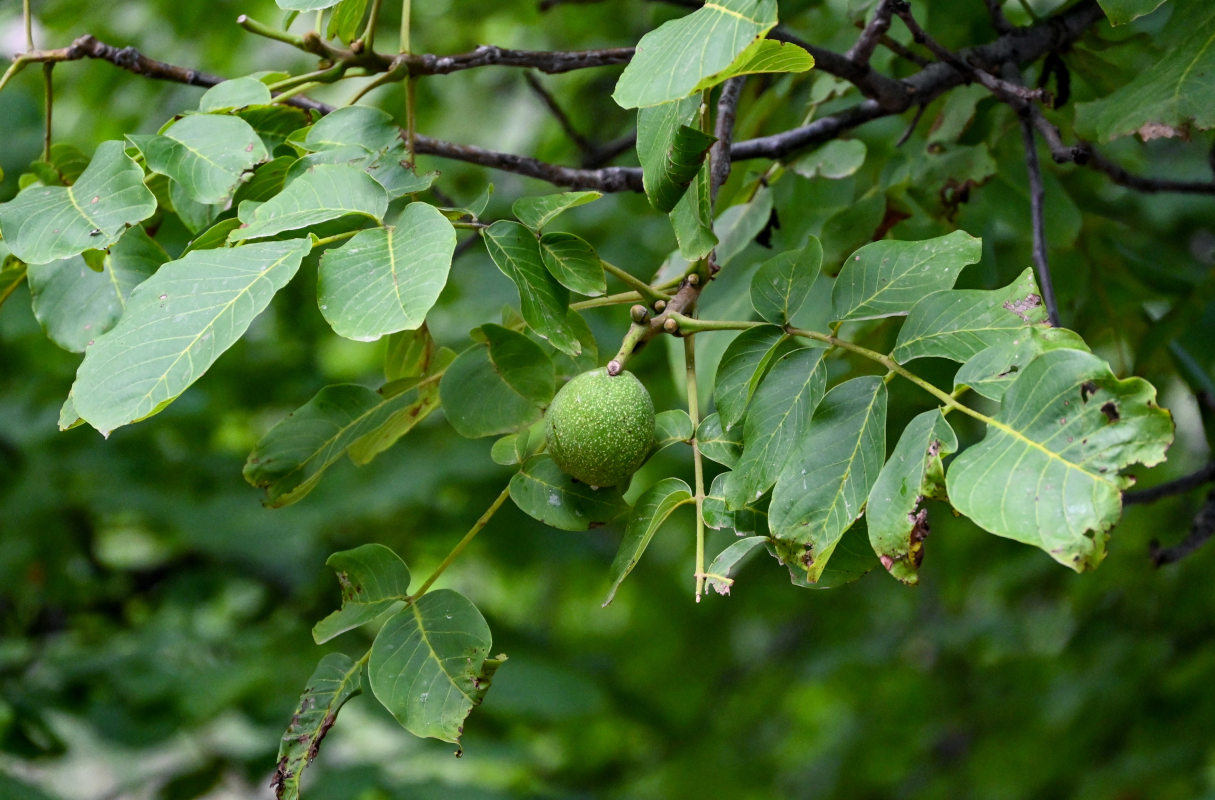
(406, 8)
(644, 289)
(6, 293)
(373, 19)
(337, 237)
(638, 332)
(261, 29)
(327, 75)
(689, 359)
(607, 300)
(689, 325)
(28, 17)
(13, 68)
(481, 522)
(889, 363)
(47, 69)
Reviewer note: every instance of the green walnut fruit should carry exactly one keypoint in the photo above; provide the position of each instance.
(600, 427)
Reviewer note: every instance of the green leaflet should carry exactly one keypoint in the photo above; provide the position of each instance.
(960, 323)
(1174, 94)
(337, 678)
(894, 515)
(649, 512)
(889, 277)
(542, 491)
(675, 59)
(373, 580)
(429, 664)
(46, 223)
(498, 386)
(822, 489)
(293, 455)
(544, 301)
(176, 324)
(386, 280)
(1047, 471)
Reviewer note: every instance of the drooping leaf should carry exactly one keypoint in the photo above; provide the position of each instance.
(424, 396)
(680, 165)
(206, 154)
(386, 280)
(897, 521)
(721, 572)
(959, 323)
(387, 167)
(497, 386)
(176, 324)
(544, 302)
(717, 444)
(373, 579)
(292, 456)
(75, 305)
(337, 678)
(1174, 94)
(672, 60)
(658, 128)
(762, 56)
(194, 215)
(993, 370)
(782, 283)
(536, 212)
(325, 192)
(573, 262)
(889, 277)
(48, 223)
(1047, 472)
(235, 93)
(542, 491)
(428, 664)
(743, 366)
(649, 512)
(692, 218)
(822, 489)
(776, 423)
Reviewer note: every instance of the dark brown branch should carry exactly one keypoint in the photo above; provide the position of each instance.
(604, 179)
(1201, 530)
(719, 153)
(1181, 485)
(487, 55)
(1037, 212)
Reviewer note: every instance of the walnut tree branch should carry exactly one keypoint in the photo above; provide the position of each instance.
(1201, 530)
(1037, 212)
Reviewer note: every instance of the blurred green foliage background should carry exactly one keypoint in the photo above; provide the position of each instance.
(154, 618)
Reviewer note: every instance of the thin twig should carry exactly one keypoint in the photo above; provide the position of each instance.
(582, 143)
(872, 33)
(1037, 210)
(1178, 486)
(1201, 530)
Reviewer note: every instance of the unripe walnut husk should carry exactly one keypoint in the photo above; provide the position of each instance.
(600, 427)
